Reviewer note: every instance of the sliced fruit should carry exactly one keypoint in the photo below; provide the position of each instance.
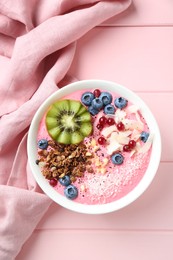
(62, 105)
(74, 106)
(53, 112)
(85, 128)
(55, 132)
(82, 110)
(85, 117)
(64, 137)
(51, 122)
(68, 121)
(76, 137)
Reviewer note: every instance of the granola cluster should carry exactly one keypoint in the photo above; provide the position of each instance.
(59, 160)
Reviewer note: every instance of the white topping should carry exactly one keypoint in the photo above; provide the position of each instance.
(108, 130)
(119, 115)
(135, 135)
(133, 124)
(113, 147)
(138, 117)
(132, 109)
(133, 128)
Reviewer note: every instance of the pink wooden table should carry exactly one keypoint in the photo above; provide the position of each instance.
(135, 50)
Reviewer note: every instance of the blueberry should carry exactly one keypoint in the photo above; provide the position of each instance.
(87, 98)
(109, 109)
(71, 192)
(144, 136)
(106, 98)
(97, 103)
(43, 144)
(120, 102)
(117, 158)
(65, 181)
(93, 111)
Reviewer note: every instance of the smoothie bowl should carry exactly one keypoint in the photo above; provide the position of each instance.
(94, 146)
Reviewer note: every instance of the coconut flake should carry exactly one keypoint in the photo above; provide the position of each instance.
(135, 135)
(132, 152)
(133, 124)
(119, 115)
(138, 117)
(132, 109)
(113, 147)
(108, 130)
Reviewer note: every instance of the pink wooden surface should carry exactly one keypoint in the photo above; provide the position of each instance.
(145, 13)
(141, 58)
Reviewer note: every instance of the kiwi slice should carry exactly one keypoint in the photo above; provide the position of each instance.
(68, 121)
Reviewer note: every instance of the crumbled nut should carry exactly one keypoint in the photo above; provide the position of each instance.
(90, 169)
(88, 154)
(62, 175)
(73, 179)
(52, 169)
(97, 162)
(61, 160)
(83, 187)
(93, 142)
(96, 148)
(103, 170)
(105, 161)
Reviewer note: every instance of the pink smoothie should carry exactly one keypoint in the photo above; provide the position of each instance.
(109, 182)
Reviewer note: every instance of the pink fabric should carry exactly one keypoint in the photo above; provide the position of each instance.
(37, 45)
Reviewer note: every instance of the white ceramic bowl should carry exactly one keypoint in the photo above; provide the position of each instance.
(143, 184)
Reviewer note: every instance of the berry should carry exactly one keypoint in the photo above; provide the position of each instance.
(103, 120)
(53, 182)
(110, 121)
(106, 98)
(71, 192)
(132, 144)
(101, 140)
(97, 103)
(99, 126)
(97, 93)
(43, 144)
(144, 136)
(87, 98)
(126, 148)
(65, 181)
(117, 158)
(93, 111)
(109, 109)
(120, 126)
(120, 102)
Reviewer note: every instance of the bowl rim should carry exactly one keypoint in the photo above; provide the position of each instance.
(142, 185)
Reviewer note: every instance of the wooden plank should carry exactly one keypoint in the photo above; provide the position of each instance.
(143, 13)
(141, 59)
(152, 211)
(100, 245)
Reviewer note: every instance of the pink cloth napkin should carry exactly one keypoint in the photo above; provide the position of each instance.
(37, 46)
